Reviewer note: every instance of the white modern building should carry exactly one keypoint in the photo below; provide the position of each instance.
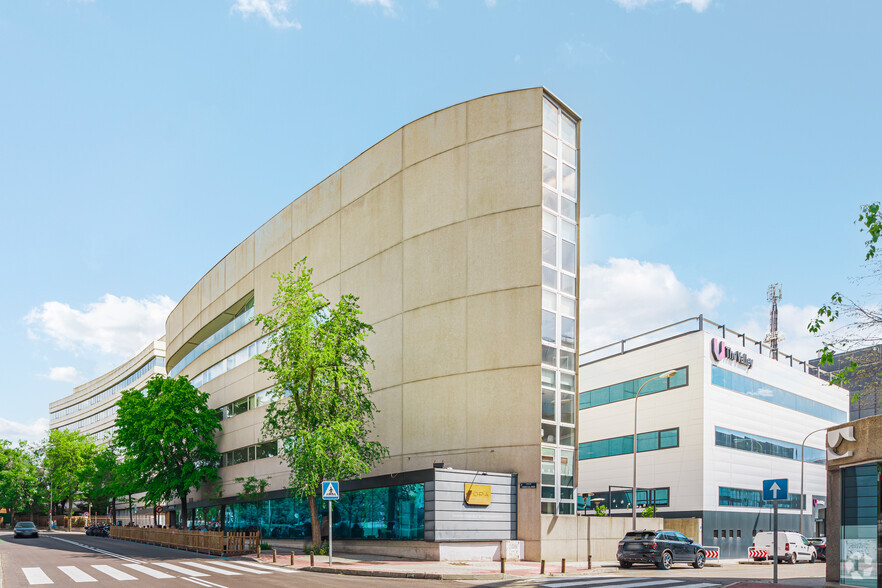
(732, 416)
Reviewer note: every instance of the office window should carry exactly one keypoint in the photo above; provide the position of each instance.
(753, 499)
(627, 390)
(650, 441)
(766, 446)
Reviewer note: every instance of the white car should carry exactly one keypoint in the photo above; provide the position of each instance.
(792, 547)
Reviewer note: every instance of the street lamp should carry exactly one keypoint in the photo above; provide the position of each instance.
(802, 476)
(667, 376)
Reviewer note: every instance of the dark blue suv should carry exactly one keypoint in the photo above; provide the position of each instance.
(662, 548)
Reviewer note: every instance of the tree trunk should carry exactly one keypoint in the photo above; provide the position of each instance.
(316, 524)
(113, 510)
(183, 496)
(131, 510)
(155, 517)
(69, 514)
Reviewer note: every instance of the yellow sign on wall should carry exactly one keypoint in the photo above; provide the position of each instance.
(477, 494)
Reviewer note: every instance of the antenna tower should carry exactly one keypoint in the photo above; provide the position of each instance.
(773, 295)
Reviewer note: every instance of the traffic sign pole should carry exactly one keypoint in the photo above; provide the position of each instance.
(775, 542)
(330, 533)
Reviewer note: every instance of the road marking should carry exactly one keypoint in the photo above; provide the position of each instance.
(36, 576)
(202, 566)
(568, 581)
(114, 573)
(628, 583)
(700, 585)
(654, 583)
(266, 567)
(149, 571)
(76, 574)
(240, 568)
(179, 569)
(203, 582)
(96, 550)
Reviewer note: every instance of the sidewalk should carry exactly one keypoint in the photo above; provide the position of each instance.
(392, 567)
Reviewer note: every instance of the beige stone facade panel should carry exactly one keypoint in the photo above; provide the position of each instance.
(435, 341)
(504, 329)
(501, 113)
(371, 168)
(280, 263)
(377, 283)
(385, 347)
(321, 248)
(505, 172)
(239, 262)
(371, 224)
(434, 134)
(436, 192)
(213, 284)
(273, 235)
(387, 422)
(436, 265)
(499, 262)
(435, 413)
(497, 399)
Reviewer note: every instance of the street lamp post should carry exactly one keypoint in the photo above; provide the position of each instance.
(802, 476)
(666, 375)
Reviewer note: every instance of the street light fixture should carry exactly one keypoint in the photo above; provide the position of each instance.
(666, 376)
(802, 476)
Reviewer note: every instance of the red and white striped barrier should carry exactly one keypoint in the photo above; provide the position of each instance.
(754, 553)
(712, 554)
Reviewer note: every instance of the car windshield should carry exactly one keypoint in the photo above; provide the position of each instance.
(25, 525)
(637, 535)
(816, 541)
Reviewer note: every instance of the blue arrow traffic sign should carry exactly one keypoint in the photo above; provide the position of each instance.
(330, 490)
(775, 489)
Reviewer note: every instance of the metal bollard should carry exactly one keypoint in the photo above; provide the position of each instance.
(292, 557)
(258, 551)
(502, 565)
(563, 565)
(589, 562)
(542, 566)
(312, 560)
(274, 556)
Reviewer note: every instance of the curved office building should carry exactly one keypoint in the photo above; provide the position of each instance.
(459, 234)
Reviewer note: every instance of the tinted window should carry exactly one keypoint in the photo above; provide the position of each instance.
(25, 525)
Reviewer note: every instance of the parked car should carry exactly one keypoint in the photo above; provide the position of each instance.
(820, 545)
(662, 548)
(25, 529)
(792, 547)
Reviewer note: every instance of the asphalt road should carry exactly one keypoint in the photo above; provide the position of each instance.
(62, 559)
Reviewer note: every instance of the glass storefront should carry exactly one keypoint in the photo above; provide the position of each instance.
(859, 534)
(395, 512)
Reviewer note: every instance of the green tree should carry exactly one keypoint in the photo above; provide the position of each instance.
(321, 407)
(166, 436)
(863, 321)
(67, 457)
(648, 512)
(601, 511)
(102, 482)
(19, 477)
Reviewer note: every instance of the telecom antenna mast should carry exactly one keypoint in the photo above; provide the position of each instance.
(773, 295)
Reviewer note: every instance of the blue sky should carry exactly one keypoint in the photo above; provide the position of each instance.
(726, 145)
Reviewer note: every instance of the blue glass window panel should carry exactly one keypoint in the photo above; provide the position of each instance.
(627, 390)
(756, 389)
(766, 446)
(650, 441)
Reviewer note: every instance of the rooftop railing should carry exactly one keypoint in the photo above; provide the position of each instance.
(694, 325)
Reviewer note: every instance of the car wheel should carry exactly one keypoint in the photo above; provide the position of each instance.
(667, 561)
(812, 560)
(793, 558)
(625, 564)
(699, 560)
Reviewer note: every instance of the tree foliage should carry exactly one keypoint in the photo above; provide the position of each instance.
(20, 483)
(103, 480)
(321, 408)
(67, 457)
(862, 321)
(166, 438)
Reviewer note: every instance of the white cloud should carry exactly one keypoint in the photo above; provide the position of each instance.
(12, 431)
(115, 325)
(387, 5)
(627, 297)
(274, 12)
(490, 3)
(64, 374)
(697, 5)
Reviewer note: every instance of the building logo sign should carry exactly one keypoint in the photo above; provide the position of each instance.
(477, 494)
(721, 351)
(835, 439)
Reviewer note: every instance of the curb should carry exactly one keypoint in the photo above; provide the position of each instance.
(409, 575)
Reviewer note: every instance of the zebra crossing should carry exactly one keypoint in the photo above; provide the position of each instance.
(616, 582)
(191, 571)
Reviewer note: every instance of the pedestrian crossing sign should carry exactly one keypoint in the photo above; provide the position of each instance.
(330, 490)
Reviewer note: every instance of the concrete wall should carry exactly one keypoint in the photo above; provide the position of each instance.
(420, 227)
